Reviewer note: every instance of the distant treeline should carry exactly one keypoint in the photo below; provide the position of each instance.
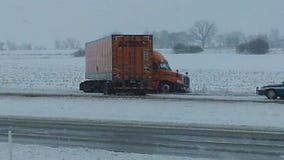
(68, 43)
(203, 34)
(166, 39)
(11, 46)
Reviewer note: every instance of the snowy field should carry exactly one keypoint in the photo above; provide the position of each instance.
(223, 72)
(40, 70)
(213, 72)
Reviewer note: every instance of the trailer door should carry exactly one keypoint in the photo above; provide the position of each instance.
(131, 59)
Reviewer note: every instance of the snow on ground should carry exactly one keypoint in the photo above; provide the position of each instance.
(212, 72)
(215, 72)
(198, 112)
(223, 72)
(43, 70)
(36, 152)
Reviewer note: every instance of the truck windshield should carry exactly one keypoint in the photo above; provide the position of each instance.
(164, 65)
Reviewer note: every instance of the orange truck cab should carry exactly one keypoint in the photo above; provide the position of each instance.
(164, 79)
(128, 63)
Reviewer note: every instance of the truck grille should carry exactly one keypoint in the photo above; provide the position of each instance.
(186, 80)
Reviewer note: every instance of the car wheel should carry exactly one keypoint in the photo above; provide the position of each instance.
(165, 87)
(271, 94)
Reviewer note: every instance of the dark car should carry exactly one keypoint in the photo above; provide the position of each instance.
(271, 91)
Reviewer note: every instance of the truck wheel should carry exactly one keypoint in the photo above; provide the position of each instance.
(88, 90)
(139, 92)
(106, 89)
(271, 94)
(164, 87)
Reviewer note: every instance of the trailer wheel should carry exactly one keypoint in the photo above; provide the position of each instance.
(140, 92)
(165, 87)
(271, 94)
(108, 89)
(88, 90)
(85, 87)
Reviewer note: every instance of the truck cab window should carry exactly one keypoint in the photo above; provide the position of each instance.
(164, 65)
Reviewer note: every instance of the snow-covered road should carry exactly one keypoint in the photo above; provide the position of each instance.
(203, 112)
(36, 152)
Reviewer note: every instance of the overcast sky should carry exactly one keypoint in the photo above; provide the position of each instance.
(42, 21)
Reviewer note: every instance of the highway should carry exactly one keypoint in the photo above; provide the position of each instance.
(174, 97)
(195, 140)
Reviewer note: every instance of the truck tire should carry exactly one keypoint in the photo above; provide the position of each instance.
(108, 89)
(271, 94)
(165, 87)
(88, 90)
(140, 92)
(86, 87)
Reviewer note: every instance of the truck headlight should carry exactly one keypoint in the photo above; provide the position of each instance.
(179, 81)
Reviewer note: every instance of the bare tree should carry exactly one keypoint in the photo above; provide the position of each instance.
(231, 39)
(179, 38)
(274, 38)
(69, 43)
(40, 48)
(203, 31)
(72, 43)
(25, 46)
(11, 45)
(58, 44)
(2, 46)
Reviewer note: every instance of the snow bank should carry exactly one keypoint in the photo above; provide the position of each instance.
(36, 152)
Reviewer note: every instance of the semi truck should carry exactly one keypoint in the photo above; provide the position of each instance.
(128, 63)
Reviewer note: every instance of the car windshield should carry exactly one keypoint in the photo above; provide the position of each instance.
(164, 65)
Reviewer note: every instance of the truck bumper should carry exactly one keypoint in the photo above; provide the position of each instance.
(181, 88)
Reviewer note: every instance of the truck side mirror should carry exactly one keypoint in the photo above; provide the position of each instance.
(177, 72)
(155, 66)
